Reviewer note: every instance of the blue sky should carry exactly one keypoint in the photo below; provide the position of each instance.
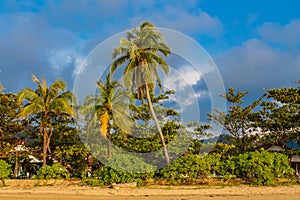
(255, 44)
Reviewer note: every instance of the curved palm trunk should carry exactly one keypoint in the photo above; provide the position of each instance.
(157, 125)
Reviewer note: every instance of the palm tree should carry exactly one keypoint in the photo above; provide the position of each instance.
(46, 102)
(109, 106)
(140, 53)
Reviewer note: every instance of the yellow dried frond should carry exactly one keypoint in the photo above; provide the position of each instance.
(104, 121)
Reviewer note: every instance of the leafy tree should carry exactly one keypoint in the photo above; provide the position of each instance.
(10, 126)
(110, 104)
(143, 139)
(238, 121)
(197, 131)
(5, 171)
(66, 146)
(46, 102)
(140, 53)
(279, 117)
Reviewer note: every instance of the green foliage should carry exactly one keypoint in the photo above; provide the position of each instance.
(56, 171)
(92, 182)
(238, 119)
(5, 170)
(281, 166)
(9, 125)
(144, 139)
(188, 168)
(258, 167)
(279, 118)
(116, 171)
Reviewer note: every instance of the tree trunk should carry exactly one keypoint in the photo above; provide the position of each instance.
(3, 182)
(157, 125)
(44, 133)
(108, 146)
(108, 140)
(44, 147)
(48, 139)
(16, 170)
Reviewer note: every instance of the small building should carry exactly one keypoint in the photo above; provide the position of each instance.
(295, 161)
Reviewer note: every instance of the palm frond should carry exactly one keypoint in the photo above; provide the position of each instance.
(62, 105)
(118, 62)
(35, 79)
(30, 108)
(29, 95)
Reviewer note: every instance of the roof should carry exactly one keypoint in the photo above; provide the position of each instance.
(34, 159)
(295, 158)
(275, 148)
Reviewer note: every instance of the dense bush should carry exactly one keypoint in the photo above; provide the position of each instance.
(5, 170)
(121, 169)
(258, 167)
(56, 171)
(187, 169)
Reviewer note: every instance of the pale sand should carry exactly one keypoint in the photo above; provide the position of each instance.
(60, 191)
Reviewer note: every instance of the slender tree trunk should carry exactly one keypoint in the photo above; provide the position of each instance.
(108, 146)
(48, 139)
(44, 147)
(157, 125)
(16, 170)
(44, 132)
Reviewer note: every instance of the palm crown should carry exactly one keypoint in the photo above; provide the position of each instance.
(140, 49)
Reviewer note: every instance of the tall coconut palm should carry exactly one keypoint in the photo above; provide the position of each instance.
(108, 108)
(46, 102)
(140, 53)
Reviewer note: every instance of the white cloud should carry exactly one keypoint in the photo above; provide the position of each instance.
(257, 65)
(185, 76)
(178, 18)
(60, 58)
(284, 35)
(183, 81)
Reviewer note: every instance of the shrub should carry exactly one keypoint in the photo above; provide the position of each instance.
(116, 171)
(56, 171)
(259, 167)
(187, 169)
(5, 170)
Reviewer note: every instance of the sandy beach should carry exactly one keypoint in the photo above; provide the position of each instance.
(22, 190)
